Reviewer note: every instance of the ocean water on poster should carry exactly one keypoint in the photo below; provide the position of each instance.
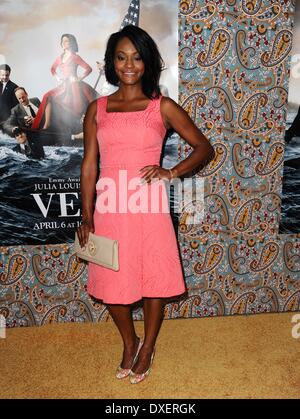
(290, 206)
(18, 211)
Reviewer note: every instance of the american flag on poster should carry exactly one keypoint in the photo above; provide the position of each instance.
(132, 15)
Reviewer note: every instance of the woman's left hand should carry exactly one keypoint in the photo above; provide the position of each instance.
(154, 171)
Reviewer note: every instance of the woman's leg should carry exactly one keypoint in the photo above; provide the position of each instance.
(47, 115)
(122, 317)
(153, 317)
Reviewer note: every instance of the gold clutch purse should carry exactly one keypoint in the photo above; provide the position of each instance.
(100, 250)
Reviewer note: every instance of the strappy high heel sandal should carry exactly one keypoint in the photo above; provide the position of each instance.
(124, 372)
(137, 378)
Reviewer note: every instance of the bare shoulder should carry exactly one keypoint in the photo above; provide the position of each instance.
(91, 112)
(171, 112)
(92, 108)
(170, 107)
(168, 104)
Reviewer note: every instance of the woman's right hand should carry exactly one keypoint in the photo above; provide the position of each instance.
(86, 227)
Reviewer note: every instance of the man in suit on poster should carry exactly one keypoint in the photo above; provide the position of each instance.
(23, 114)
(28, 146)
(7, 93)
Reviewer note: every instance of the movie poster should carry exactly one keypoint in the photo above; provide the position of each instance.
(290, 205)
(55, 53)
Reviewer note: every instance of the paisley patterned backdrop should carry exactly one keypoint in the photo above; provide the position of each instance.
(234, 73)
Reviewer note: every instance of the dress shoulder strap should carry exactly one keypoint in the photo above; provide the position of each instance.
(156, 103)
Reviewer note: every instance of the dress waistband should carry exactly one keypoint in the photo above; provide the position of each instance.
(128, 166)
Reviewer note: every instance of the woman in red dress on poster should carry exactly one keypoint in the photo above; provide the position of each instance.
(73, 95)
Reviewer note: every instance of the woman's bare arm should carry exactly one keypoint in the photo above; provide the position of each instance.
(177, 118)
(89, 171)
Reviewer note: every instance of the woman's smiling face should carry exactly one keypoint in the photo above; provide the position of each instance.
(129, 65)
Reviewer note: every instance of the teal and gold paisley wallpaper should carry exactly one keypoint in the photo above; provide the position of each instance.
(234, 60)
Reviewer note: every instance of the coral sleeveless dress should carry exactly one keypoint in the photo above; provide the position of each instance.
(135, 214)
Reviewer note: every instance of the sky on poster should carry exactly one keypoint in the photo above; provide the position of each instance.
(30, 32)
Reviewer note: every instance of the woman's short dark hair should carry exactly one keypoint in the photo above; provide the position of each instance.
(149, 53)
(73, 41)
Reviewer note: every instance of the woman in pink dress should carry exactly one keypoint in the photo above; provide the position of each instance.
(73, 95)
(128, 128)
